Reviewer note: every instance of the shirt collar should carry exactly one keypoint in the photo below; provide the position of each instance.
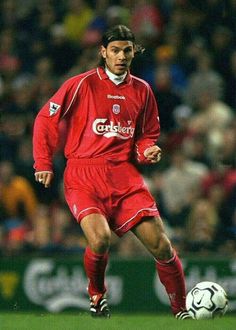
(114, 78)
(103, 74)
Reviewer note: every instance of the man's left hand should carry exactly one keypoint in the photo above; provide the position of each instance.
(153, 154)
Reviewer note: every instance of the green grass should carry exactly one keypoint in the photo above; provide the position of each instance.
(83, 321)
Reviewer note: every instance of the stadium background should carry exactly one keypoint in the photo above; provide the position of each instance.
(190, 62)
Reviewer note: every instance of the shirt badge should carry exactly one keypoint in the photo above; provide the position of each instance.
(116, 109)
(53, 108)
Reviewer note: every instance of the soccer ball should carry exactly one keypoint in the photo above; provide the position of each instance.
(206, 300)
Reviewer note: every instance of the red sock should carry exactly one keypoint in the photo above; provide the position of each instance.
(172, 277)
(95, 266)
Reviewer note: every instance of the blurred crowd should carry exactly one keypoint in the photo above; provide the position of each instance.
(190, 62)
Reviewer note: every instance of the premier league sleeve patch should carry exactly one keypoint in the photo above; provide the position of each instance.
(53, 108)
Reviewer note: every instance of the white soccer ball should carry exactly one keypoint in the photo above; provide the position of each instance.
(206, 300)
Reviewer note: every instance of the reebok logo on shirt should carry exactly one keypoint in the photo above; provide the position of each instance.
(102, 126)
(116, 97)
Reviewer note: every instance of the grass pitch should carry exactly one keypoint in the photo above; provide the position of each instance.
(83, 321)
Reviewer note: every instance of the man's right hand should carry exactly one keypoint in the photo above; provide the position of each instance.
(44, 177)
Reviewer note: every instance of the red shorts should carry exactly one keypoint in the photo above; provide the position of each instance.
(116, 191)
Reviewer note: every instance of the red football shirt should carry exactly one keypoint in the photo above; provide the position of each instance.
(102, 119)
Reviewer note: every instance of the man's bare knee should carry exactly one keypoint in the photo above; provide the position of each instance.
(100, 243)
(97, 232)
(152, 234)
(163, 250)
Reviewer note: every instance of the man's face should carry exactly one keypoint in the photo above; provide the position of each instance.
(118, 56)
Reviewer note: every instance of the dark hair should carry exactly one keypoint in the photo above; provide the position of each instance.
(116, 33)
(120, 32)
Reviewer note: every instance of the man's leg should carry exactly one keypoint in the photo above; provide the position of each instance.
(151, 233)
(172, 277)
(98, 234)
(95, 267)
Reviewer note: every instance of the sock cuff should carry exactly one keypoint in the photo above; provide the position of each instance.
(89, 252)
(169, 261)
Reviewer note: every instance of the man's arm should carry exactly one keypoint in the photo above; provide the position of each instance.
(148, 128)
(46, 131)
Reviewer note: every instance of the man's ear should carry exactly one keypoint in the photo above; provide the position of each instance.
(103, 51)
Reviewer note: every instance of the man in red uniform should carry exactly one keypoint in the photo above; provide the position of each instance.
(111, 118)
